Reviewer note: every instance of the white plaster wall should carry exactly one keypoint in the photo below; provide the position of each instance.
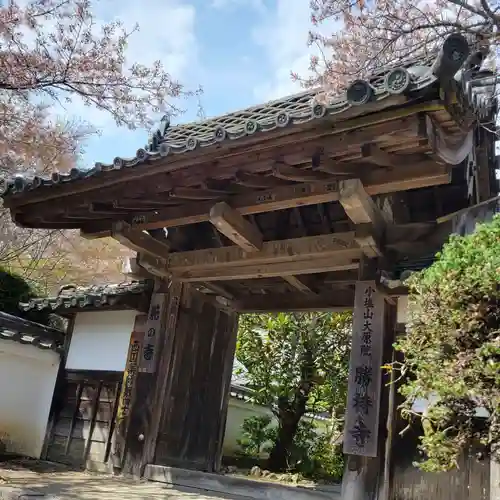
(27, 379)
(237, 412)
(100, 340)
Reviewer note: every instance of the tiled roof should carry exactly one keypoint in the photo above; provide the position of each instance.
(409, 77)
(73, 297)
(29, 333)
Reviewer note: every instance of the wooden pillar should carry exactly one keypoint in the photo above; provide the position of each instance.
(366, 422)
(139, 428)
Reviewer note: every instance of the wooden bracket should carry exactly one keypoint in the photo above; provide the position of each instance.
(232, 225)
(365, 214)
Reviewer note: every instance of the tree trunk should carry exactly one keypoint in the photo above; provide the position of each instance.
(280, 454)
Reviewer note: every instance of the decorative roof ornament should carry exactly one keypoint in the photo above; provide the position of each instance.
(159, 135)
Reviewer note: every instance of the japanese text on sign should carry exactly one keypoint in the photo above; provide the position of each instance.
(362, 417)
(131, 368)
(153, 326)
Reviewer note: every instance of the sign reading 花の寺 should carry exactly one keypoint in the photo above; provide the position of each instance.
(365, 372)
(156, 314)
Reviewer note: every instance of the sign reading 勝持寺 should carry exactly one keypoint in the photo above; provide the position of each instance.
(365, 372)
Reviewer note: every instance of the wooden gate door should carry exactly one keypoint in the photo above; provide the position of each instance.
(198, 382)
(83, 429)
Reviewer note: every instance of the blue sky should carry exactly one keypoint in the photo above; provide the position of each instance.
(240, 51)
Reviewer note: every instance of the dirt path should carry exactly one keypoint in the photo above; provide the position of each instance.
(43, 478)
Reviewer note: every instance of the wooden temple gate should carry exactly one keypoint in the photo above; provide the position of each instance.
(299, 204)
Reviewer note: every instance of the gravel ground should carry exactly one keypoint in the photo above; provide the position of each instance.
(56, 481)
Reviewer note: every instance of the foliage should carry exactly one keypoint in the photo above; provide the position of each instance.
(295, 363)
(452, 349)
(255, 431)
(312, 453)
(54, 55)
(371, 34)
(13, 290)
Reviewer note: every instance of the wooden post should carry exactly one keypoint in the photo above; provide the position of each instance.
(166, 353)
(127, 392)
(494, 479)
(139, 425)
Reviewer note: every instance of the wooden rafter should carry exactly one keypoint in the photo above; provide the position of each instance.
(298, 284)
(375, 182)
(196, 194)
(232, 225)
(138, 240)
(288, 173)
(256, 181)
(375, 154)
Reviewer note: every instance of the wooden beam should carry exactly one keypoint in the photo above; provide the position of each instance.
(362, 210)
(369, 240)
(375, 182)
(158, 267)
(278, 269)
(373, 153)
(358, 204)
(196, 194)
(288, 173)
(232, 225)
(138, 240)
(218, 290)
(325, 245)
(255, 181)
(298, 284)
(294, 302)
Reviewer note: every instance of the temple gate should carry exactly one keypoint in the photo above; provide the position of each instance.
(304, 203)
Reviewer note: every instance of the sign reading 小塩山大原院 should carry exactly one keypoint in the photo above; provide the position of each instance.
(365, 372)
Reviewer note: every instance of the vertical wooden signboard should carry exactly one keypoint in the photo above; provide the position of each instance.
(150, 346)
(365, 372)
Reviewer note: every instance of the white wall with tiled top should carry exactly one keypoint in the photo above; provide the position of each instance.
(100, 340)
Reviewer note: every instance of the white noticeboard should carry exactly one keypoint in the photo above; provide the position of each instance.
(365, 372)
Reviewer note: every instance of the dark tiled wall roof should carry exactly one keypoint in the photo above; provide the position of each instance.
(73, 297)
(29, 333)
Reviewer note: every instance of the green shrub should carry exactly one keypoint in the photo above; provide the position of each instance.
(13, 290)
(452, 348)
(255, 432)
